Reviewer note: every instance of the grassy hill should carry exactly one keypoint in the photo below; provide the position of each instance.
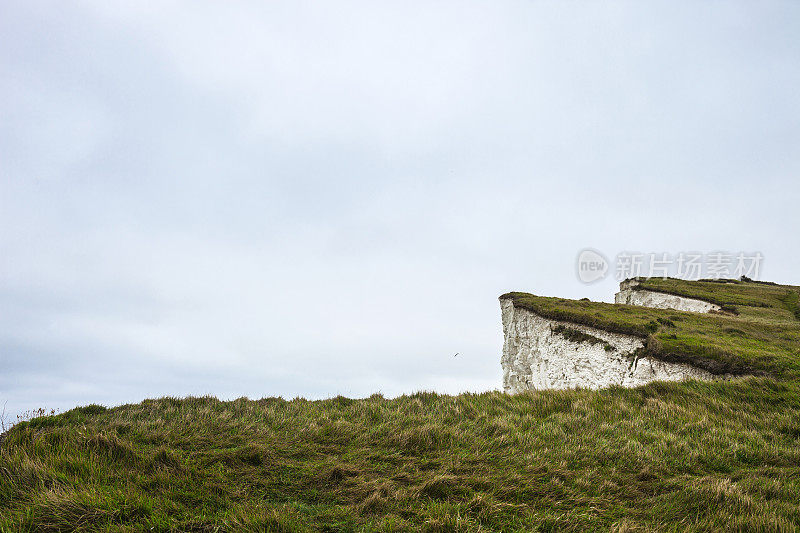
(693, 456)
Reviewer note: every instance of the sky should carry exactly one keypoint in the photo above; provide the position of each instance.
(319, 198)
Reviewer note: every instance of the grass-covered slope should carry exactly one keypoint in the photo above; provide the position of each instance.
(679, 456)
(689, 456)
(759, 334)
(750, 298)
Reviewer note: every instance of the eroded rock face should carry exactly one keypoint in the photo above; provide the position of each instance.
(537, 356)
(629, 294)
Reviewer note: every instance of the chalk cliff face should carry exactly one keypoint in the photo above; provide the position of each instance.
(628, 294)
(539, 353)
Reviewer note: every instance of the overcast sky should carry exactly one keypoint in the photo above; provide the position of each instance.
(311, 199)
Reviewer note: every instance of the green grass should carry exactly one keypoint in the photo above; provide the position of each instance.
(576, 335)
(688, 456)
(745, 297)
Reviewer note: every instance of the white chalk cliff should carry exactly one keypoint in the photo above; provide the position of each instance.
(540, 353)
(631, 295)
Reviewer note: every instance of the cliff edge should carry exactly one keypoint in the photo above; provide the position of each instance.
(659, 330)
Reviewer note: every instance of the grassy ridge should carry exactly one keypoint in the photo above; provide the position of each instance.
(695, 456)
(762, 338)
(746, 297)
(688, 456)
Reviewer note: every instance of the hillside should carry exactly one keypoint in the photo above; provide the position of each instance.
(692, 455)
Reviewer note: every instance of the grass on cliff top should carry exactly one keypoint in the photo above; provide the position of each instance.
(750, 298)
(689, 456)
(762, 338)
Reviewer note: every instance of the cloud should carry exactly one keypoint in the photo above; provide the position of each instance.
(296, 199)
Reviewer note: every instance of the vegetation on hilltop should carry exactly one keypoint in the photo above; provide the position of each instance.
(693, 455)
(749, 297)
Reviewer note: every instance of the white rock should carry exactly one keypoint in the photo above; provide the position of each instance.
(535, 357)
(628, 294)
